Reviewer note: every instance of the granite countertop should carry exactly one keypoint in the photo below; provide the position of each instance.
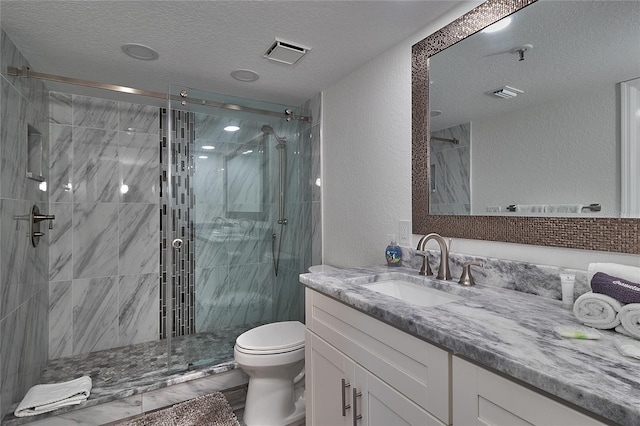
(508, 331)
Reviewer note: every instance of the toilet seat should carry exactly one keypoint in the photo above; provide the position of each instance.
(274, 338)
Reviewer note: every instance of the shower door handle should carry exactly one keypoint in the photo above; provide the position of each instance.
(177, 244)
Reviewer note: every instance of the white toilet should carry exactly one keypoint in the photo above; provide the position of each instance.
(273, 357)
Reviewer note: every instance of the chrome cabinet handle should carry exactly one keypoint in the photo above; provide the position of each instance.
(345, 406)
(356, 416)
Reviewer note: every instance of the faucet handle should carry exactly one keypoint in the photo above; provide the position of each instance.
(426, 268)
(466, 278)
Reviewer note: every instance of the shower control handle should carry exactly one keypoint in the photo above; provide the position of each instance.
(177, 244)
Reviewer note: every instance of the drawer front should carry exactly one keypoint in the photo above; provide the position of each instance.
(412, 366)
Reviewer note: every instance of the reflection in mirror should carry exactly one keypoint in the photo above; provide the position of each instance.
(231, 178)
(527, 120)
(577, 232)
(246, 178)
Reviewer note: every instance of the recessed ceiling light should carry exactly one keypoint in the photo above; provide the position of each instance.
(232, 128)
(498, 26)
(245, 75)
(140, 51)
(208, 147)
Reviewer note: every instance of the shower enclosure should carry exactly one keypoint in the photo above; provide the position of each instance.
(236, 220)
(167, 236)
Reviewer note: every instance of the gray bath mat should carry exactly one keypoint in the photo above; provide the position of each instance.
(207, 410)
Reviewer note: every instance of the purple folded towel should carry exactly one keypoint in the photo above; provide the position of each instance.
(622, 290)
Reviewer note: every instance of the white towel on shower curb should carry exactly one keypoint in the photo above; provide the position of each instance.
(597, 310)
(44, 398)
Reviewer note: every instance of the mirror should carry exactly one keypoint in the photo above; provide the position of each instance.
(587, 233)
(535, 109)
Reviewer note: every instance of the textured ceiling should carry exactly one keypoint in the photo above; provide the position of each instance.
(201, 42)
(577, 45)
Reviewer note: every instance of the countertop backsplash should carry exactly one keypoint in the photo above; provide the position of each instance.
(541, 280)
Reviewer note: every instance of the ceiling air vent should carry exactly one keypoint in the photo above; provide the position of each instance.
(507, 92)
(285, 52)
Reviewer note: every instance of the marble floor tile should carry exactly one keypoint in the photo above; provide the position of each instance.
(132, 370)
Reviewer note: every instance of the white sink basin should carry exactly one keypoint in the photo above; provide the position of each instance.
(412, 293)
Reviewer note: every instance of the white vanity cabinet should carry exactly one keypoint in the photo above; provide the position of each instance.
(481, 397)
(361, 371)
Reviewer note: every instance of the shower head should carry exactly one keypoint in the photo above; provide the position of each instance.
(266, 129)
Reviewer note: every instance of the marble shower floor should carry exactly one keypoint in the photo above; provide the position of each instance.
(121, 372)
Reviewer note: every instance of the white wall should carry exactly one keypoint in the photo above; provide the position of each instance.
(367, 167)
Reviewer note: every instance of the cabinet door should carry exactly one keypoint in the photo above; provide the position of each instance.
(483, 398)
(415, 368)
(326, 368)
(381, 405)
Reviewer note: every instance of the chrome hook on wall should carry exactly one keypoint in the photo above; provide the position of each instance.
(34, 218)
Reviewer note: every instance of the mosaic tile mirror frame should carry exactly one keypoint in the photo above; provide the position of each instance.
(604, 234)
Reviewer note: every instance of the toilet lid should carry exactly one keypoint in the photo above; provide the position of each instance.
(277, 336)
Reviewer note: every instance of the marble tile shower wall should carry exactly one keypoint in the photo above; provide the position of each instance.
(104, 255)
(235, 281)
(451, 167)
(23, 269)
(233, 276)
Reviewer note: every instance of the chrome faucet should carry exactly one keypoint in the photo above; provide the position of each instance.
(443, 270)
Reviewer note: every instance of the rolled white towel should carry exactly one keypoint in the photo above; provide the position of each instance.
(620, 329)
(626, 272)
(597, 310)
(43, 398)
(630, 319)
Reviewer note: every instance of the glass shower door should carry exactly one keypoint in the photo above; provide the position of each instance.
(232, 176)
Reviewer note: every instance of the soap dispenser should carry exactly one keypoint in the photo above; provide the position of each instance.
(393, 253)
